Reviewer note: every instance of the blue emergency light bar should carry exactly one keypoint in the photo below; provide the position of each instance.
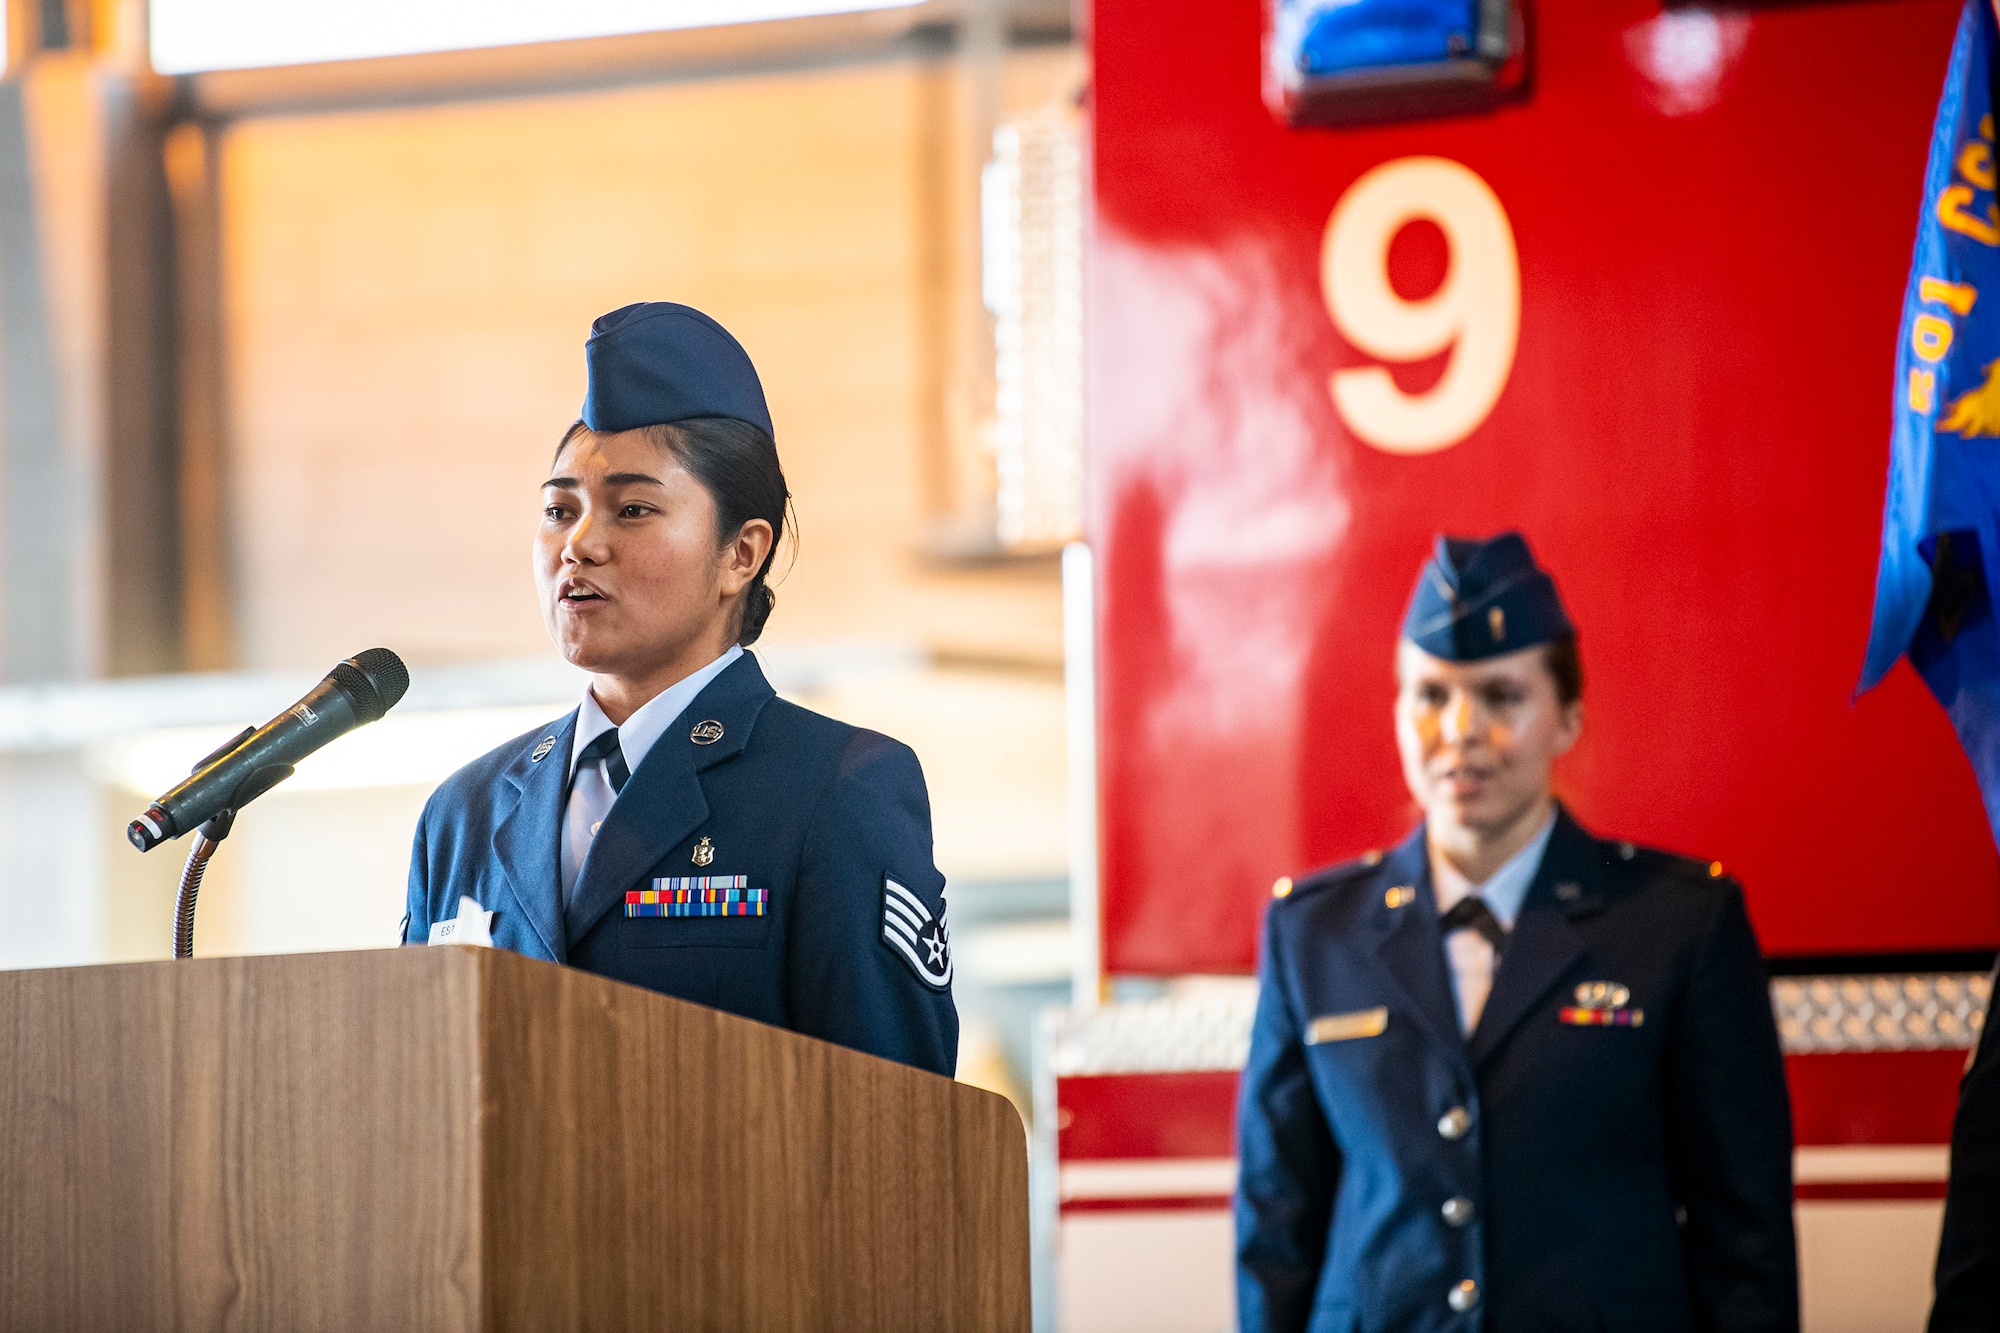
(1336, 61)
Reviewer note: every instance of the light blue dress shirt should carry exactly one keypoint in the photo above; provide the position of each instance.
(1468, 952)
(590, 794)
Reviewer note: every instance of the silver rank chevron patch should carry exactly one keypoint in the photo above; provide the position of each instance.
(909, 929)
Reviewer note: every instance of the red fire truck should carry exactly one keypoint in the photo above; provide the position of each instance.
(1640, 302)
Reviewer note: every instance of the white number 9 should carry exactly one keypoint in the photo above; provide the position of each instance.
(1478, 308)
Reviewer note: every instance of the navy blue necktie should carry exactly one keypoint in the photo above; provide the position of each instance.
(1472, 913)
(605, 747)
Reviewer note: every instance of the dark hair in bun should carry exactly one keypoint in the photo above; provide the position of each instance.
(738, 465)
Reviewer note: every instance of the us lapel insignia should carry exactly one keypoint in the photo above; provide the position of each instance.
(704, 852)
(542, 750)
(706, 733)
(923, 941)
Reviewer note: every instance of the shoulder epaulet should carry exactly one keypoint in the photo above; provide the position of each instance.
(1287, 887)
(1656, 861)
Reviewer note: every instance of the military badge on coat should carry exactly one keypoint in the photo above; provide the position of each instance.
(1602, 1004)
(909, 928)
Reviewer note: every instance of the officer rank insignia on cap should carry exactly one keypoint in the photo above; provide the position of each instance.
(698, 895)
(1479, 597)
(923, 941)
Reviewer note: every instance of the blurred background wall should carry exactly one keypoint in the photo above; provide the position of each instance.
(285, 351)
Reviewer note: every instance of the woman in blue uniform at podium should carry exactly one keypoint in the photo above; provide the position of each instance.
(684, 829)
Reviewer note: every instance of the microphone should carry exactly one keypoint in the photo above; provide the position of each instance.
(360, 689)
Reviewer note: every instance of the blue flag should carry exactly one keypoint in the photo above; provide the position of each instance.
(1934, 592)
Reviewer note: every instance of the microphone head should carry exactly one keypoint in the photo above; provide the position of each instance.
(375, 680)
(386, 672)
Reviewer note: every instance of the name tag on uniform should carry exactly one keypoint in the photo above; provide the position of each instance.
(472, 925)
(1346, 1027)
(698, 895)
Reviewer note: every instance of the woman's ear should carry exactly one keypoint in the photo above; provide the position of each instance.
(1572, 726)
(744, 555)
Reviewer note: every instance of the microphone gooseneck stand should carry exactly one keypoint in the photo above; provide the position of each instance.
(207, 838)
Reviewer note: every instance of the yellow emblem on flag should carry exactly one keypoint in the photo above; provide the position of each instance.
(1977, 414)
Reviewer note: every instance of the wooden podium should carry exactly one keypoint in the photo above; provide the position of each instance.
(461, 1138)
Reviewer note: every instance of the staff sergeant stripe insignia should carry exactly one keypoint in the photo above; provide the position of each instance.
(698, 895)
(909, 929)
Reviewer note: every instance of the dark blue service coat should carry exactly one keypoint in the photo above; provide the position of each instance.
(1968, 1262)
(820, 814)
(1583, 1171)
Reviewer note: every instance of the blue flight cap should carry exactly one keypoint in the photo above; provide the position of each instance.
(1478, 599)
(654, 362)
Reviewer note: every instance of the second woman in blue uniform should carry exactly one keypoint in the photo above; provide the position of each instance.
(1510, 1077)
(684, 829)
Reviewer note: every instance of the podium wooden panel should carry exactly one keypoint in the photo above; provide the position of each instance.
(459, 1138)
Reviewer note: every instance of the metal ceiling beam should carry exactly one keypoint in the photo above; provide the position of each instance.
(928, 29)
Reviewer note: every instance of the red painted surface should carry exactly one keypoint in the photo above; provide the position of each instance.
(1146, 1115)
(1193, 1203)
(1207, 1203)
(1694, 436)
(1890, 1097)
(1874, 1189)
(1885, 1097)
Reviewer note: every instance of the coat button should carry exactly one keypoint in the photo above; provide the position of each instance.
(1453, 1124)
(1463, 1296)
(1457, 1211)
